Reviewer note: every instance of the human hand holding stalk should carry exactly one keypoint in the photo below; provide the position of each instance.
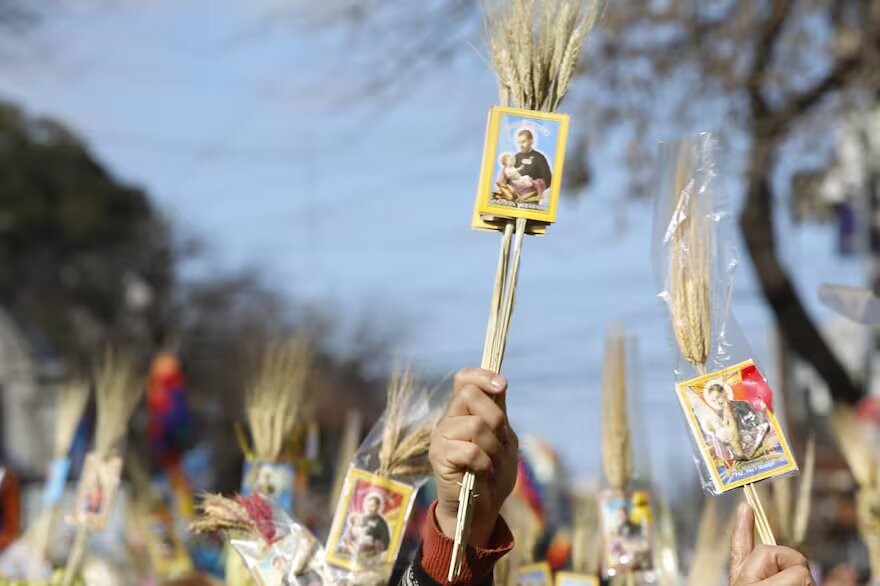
(534, 49)
(474, 436)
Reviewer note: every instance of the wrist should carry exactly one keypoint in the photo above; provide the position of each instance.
(482, 523)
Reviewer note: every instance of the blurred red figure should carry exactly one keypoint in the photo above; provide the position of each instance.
(10, 508)
(170, 426)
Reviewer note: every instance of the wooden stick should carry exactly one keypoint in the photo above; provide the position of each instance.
(77, 554)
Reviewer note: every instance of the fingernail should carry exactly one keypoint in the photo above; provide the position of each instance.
(743, 511)
(498, 383)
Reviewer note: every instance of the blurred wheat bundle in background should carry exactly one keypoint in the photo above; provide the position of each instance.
(71, 404)
(118, 388)
(275, 396)
(616, 437)
(860, 456)
(534, 47)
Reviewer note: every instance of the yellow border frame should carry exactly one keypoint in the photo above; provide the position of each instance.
(697, 432)
(583, 578)
(543, 567)
(627, 495)
(354, 474)
(487, 173)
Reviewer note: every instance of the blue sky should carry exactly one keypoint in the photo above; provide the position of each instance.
(254, 138)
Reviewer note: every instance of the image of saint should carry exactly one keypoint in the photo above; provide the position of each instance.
(737, 428)
(368, 534)
(524, 176)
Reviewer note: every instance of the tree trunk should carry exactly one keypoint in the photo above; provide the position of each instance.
(756, 223)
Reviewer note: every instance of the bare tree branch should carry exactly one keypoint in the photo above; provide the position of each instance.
(756, 219)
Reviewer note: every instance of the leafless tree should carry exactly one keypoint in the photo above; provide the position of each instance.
(772, 77)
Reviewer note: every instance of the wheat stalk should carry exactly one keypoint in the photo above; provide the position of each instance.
(666, 547)
(805, 491)
(585, 534)
(218, 513)
(616, 442)
(118, 388)
(348, 446)
(850, 437)
(689, 268)
(71, 404)
(275, 395)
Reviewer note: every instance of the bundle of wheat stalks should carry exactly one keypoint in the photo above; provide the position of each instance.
(274, 403)
(666, 547)
(404, 448)
(616, 441)
(218, 513)
(347, 449)
(535, 46)
(585, 534)
(275, 395)
(118, 389)
(71, 404)
(863, 462)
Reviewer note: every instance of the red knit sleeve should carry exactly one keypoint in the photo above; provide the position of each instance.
(10, 508)
(478, 563)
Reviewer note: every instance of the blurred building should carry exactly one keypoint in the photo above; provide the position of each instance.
(27, 385)
(832, 535)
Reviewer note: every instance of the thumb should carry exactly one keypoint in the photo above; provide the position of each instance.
(743, 541)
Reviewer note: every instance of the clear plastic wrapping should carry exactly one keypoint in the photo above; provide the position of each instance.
(726, 401)
(280, 551)
(380, 487)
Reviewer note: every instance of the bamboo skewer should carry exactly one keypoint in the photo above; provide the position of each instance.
(761, 523)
